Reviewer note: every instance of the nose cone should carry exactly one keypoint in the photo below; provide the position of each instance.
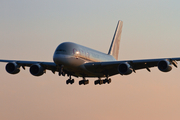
(62, 53)
(61, 59)
(67, 60)
(55, 58)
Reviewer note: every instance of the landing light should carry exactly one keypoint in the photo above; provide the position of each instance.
(77, 52)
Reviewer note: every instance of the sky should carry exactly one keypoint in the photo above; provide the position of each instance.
(32, 29)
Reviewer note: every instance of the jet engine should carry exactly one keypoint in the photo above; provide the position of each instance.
(37, 70)
(164, 66)
(13, 68)
(124, 69)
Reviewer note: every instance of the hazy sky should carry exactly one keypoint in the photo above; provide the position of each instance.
(31, 30)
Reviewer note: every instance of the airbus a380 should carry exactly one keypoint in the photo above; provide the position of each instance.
(76, 60)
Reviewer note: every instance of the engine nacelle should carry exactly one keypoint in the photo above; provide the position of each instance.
(13, 68)
(36, 70)
(124, 69)
(164, 66)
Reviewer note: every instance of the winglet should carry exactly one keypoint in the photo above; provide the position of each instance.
(114, 48)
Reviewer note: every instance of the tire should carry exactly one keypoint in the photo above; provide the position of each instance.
(87, 81)
(105, 81)
(95, 82)
(80, 82)
(67, 82)
(109, 80)
(100, 82)
(72, 81)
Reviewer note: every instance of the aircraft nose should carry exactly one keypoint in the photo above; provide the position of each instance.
(61, 59)
(55, 58)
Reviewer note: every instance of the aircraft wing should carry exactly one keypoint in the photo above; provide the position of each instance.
(111, 67)
(47, 65)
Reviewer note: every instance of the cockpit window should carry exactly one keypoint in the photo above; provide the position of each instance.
(61, 50)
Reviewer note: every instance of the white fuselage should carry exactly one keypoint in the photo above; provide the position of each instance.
(73, 57)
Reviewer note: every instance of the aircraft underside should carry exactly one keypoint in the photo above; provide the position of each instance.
(84, 73)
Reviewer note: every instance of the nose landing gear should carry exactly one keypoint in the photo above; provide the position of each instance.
(61, 72)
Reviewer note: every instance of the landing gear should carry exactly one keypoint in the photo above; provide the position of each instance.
(100, 82)
(71, 81)
(107, 81)
(84, 81)
(61, 72)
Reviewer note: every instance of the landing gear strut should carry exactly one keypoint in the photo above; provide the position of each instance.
(71, 81)
(61, 72)
(84, 81)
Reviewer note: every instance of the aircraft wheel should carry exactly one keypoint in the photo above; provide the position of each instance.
(109, 80)
(86, 82)
(59, 73)
(63, 74)
(105, 81)
(72, 81)
(68, 81)
(96, 82)
(80, 82)
(100, 82)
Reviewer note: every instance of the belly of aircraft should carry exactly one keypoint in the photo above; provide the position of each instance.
(75, 66)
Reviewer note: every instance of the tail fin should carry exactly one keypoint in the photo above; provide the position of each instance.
(114, 48)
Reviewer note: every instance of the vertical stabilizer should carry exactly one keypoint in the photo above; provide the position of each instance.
(114, 48)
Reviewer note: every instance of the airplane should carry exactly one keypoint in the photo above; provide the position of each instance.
(72, 59)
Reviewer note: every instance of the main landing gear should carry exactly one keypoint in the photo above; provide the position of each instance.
(100, 82)
(71, 81)
(84, 81)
